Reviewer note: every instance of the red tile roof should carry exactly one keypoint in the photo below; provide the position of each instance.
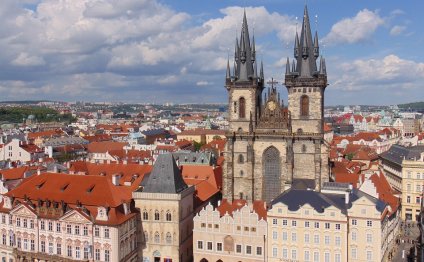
(48, 133)
(76, 190)
(104, 146)
(133, 173)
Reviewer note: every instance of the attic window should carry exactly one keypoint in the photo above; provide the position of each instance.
(40, 185)
(64, 187)
(89, 190)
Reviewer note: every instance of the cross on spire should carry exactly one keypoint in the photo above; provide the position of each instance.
(272, 82)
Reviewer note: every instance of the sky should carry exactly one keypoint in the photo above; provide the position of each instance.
(157, 51)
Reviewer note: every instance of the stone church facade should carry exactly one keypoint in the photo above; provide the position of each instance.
(272, 147)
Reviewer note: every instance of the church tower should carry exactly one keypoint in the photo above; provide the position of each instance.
(244, 88)
(306, 85)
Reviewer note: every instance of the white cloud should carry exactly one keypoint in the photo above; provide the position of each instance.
(24, 59)
(203, 83)
(397, 30)
(356, 29)
(390, 72)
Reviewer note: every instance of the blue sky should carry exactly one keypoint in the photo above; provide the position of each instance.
(175, 51)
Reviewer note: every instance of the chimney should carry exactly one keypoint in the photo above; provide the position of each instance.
(115, 179)
(55, 169)
(347, 197)
(38, 172)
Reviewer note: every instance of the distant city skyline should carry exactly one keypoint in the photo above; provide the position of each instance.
(176, 51)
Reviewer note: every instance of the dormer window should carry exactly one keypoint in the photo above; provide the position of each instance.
(102, 214)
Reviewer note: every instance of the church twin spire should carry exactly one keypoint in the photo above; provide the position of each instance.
(245, 64)
(306, 52)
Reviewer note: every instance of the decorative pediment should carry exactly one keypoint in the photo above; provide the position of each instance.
(74, 217)
(23, 211)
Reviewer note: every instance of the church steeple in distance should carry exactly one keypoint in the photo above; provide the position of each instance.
(306, 51)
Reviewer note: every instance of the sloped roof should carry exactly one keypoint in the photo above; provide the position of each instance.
(166, 177)
(398, 153)
(73, 189)
(105, 146)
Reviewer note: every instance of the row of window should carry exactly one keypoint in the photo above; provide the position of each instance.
(417, 200)
(316, 238)
(418, 175)
(327, 225)
(168, 216)
(248, 249)
(308, 256)
(76, 253)
(157, 237)
(419, 188)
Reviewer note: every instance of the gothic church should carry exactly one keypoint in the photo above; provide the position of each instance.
(270, 147)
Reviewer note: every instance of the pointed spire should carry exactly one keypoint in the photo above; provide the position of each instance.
(253, 48)
(262, 72)
(228, 75)
(255, 71)
(236, 50)
(293, 66)
(316, 45)
(288, 66)
(322, 68)
(235, 70)
(296, 46)
(306, 59)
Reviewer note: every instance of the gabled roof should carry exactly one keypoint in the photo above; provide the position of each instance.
(398, 153)
(73, 189)
(166, 177)
(105, 146)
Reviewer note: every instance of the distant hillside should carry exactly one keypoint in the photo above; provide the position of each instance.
(24, 102)
(413, 106)
(40, 114)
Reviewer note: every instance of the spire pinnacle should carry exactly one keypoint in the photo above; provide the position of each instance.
(287, 66)
(262, 72)
(296, 46)
(306, 55)
(316, 45)
(228, 75)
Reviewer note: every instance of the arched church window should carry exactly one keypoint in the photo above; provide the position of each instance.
(168, 216)
(235, 106)
(145, 215)
(241, 159)
(157, 237)
(168, 238)
(157, 216)
(272, 173)
(242, 107)
(304, 106)
(146, 236)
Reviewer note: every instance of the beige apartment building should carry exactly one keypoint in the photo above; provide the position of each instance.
(231, 232)
(166, 207)
(404, 169)
(337, 224)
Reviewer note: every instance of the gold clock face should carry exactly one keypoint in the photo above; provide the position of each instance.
(271, 105)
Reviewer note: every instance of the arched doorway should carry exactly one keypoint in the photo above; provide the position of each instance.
(271, 174)
(203, 260)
